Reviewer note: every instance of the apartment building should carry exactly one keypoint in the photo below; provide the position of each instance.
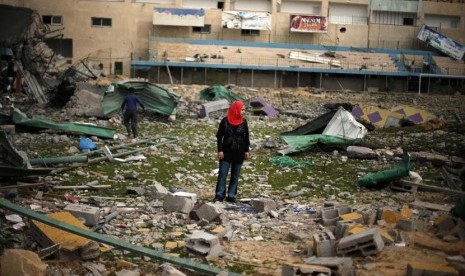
(113, 33)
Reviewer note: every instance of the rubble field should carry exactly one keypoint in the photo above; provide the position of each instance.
(287, 218)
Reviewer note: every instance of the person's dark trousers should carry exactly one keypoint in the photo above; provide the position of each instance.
(130, 122)
(220, 192)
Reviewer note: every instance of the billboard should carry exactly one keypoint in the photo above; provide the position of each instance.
(309, 24)
(179, 17)
(442, 43)
(246, 20)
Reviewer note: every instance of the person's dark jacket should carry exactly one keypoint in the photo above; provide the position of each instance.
(131, 101)
(233, 141)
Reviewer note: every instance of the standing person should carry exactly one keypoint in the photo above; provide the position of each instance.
(233, 148)
(129, 108)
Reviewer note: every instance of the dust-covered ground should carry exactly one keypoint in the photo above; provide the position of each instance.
(261, 242)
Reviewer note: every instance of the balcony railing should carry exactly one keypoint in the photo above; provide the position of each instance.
(351, 20)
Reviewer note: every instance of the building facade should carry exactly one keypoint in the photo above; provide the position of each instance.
(113, 33)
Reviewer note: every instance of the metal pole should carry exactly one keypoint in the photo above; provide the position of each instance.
(419, 85)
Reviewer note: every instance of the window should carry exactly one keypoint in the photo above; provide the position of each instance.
(203, 30)
(250, 32)
(408, 21)
(100, 22)
(52, 20)
(220, 5)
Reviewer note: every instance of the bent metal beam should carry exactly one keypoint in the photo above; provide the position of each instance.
(203, 268)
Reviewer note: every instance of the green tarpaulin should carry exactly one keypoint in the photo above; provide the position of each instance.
(219, 92)
(20, 118)
(386, 176)
(154, 98)
(303, 142)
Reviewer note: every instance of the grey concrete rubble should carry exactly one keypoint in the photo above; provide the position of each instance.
(267, 225)
(208, 211)
(204, 243)
(178, 203)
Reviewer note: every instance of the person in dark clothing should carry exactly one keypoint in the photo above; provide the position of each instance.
(233, 148)
(129, 108)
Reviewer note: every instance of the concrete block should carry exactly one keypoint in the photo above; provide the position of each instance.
(324, 244)
(214, 109)
(159, 191)
(178, 203)
(208, 211)
(365, 243)
(403, 187)
(342, 227)
(204, 243)
(330, 215)
(304, 269)
(421, 269)
(264, 205)
(90, 214)
(340, 266)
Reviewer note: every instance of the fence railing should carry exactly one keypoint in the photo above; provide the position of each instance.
(353, 20)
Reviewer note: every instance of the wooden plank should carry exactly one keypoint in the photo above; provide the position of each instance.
(431, 206)
(432, 188)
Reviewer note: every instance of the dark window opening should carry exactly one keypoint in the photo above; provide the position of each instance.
(98, 21)
(204, 30)
(220, 5)
(52, 20)
(343, 30)
(250, 32)
(408, 21)
(62, 47)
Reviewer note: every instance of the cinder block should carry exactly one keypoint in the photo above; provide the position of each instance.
(178, 203)
(264, 205)
(214, 109)
(90, 214)
(330, 215)
(340, 266)
(420, 269)
(204, 243)
(342, 227)
(368, 242)
(324, 244)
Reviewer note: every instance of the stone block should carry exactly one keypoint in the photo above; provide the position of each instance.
(340, 266)
(208, 211)
(159, 191)
(324, 244)
(330, 215)
(264, 205)
(178, 203)
(365, 243)
(90, 214)
(204, 243)
(214, 109)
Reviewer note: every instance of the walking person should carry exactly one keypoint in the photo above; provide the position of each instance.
(129, 108)
(233, 148)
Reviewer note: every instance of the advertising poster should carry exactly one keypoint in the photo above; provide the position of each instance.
(309, 24)
(442, 43)
(246, 20)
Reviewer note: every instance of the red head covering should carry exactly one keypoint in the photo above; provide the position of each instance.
(234, 113)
